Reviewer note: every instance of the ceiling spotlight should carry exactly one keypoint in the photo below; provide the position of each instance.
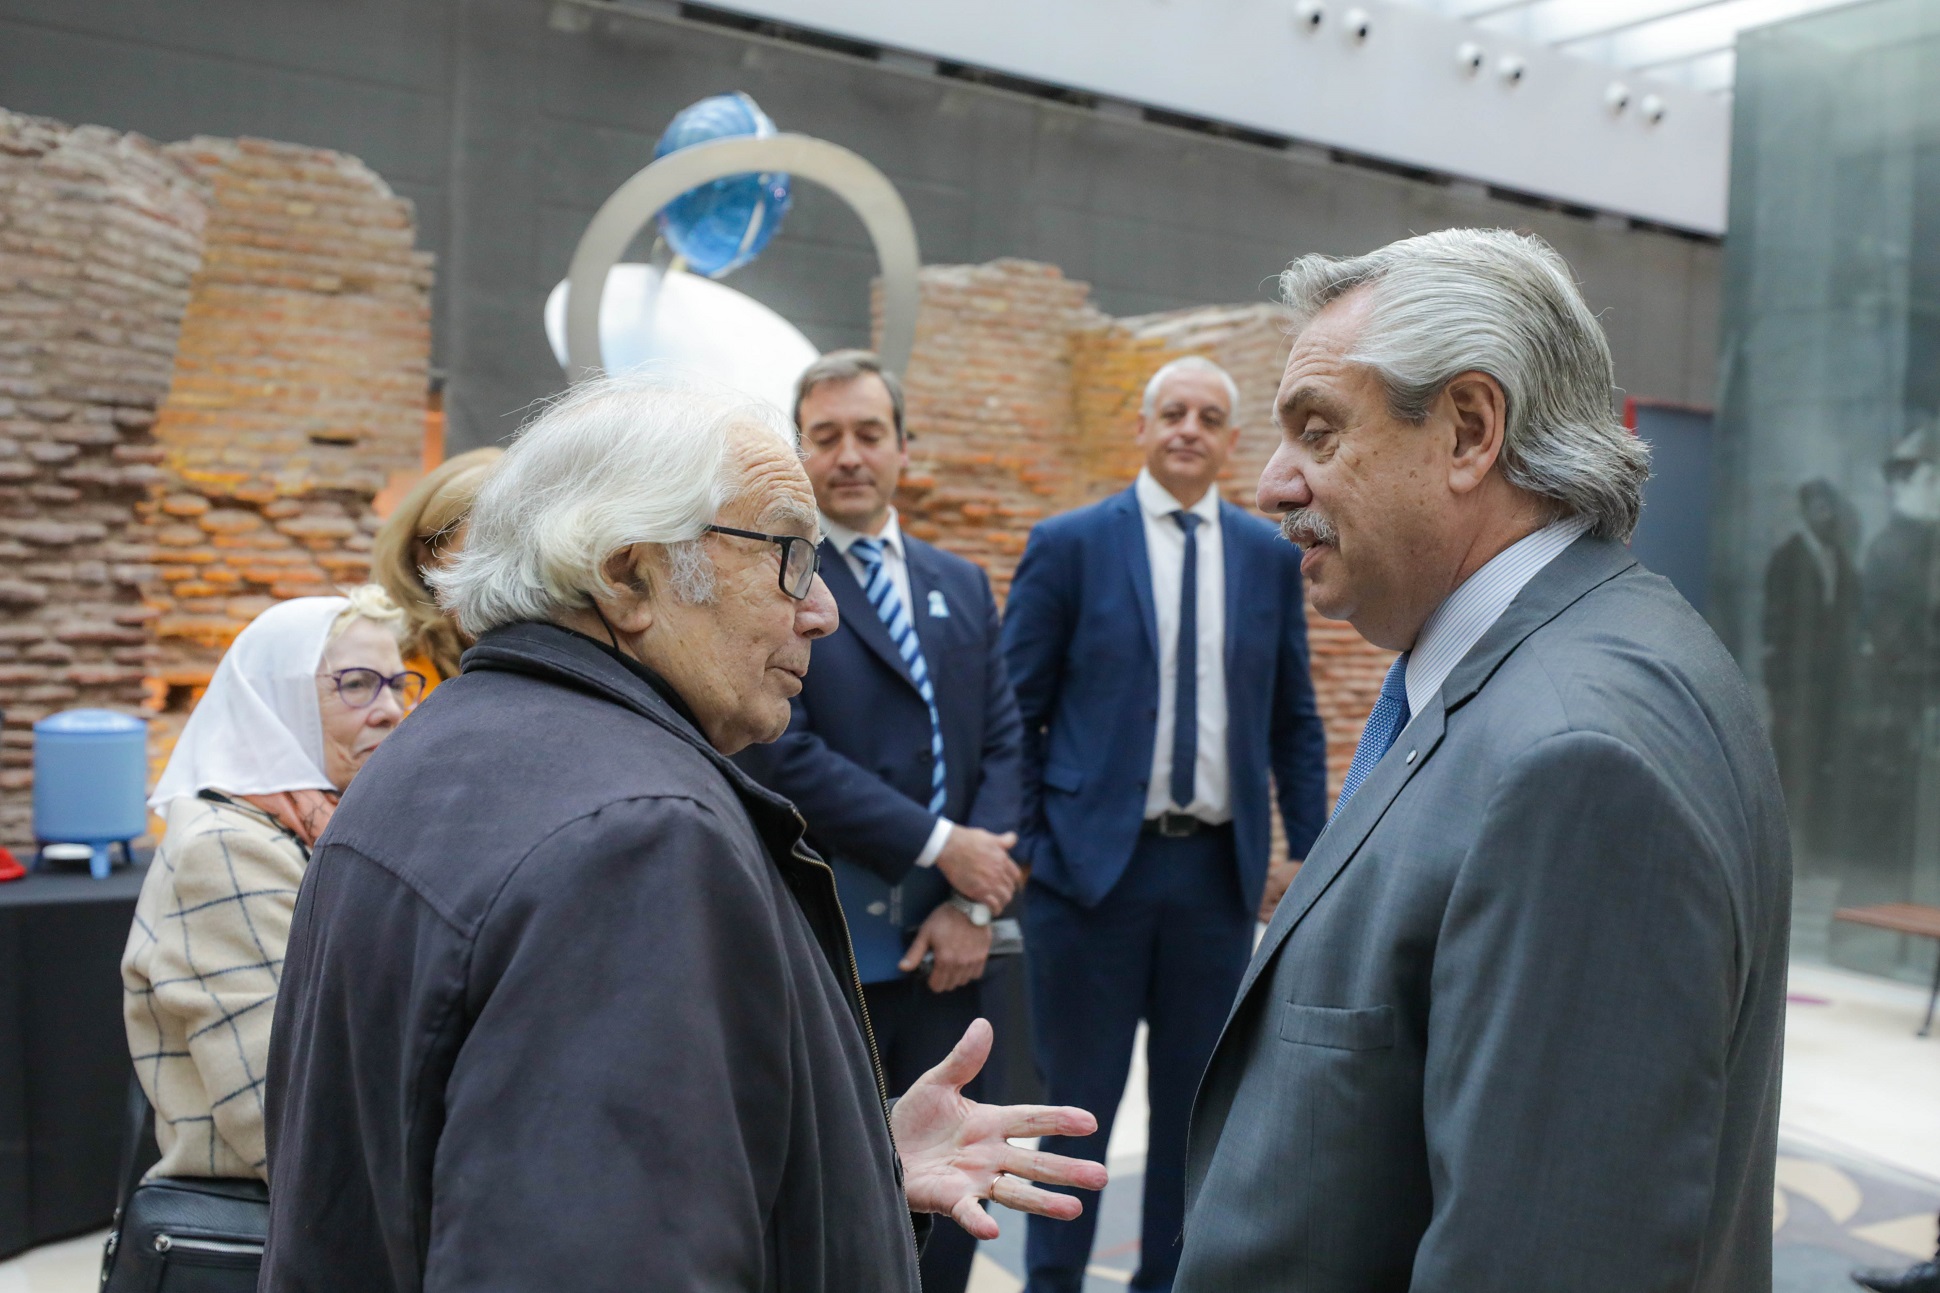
(1616, 98)
(1358, 25)
(1471, 57)
(1653, 108)
(1308, 15)
(1512, 69)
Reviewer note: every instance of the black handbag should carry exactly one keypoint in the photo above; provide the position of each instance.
(181, 1234)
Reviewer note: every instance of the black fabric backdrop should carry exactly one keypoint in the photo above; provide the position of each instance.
(63, 1055)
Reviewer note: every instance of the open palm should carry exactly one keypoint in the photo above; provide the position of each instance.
(957, 1152)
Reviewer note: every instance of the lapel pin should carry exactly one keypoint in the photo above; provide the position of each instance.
(1410, 758)
(939, 609)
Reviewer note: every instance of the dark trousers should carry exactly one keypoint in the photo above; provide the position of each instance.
(1168, 944)
(915, 1028)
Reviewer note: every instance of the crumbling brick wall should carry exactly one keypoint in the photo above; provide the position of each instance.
(100, 233)
(988, 400)
(298, 394)
(1023, 400)
(213, 356)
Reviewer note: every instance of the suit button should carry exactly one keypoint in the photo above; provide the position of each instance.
(1153, 712)
(1141, 783)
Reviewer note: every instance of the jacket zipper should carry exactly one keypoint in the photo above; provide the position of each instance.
(165, 1243)
(868, 1029)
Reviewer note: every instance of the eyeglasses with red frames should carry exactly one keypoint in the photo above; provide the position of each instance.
(801, 560)
(359, 688)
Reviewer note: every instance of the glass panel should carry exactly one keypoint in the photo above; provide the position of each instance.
(1826, 557)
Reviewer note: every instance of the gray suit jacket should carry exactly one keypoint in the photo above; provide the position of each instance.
(1516, 1026)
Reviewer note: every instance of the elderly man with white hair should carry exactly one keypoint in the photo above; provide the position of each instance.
(1517, 1024)
(568, 1004)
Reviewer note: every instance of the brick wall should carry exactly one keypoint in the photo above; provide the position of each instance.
(213, 357)
(100, 233)
(1023, 400)
(298, 394)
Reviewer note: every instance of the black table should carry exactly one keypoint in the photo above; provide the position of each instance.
(63, 1055)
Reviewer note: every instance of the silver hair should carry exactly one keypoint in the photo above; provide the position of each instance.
(1190, 364)
(1505, 304)
(613, 462)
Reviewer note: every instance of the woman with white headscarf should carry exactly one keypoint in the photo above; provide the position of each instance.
(301, 699)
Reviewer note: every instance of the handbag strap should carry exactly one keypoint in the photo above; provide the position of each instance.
(138, 1128)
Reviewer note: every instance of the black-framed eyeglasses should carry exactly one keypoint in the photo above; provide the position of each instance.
(359, 688)
(801, 559)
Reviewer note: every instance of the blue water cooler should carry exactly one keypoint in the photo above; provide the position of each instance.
(91, 782)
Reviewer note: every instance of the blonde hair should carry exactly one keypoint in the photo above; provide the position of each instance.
(367, 602)
(428, 523)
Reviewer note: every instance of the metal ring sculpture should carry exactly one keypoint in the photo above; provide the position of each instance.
(866, 189)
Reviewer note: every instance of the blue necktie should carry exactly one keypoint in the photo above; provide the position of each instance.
(880, 589)
(1384, 724)
(1185, 696)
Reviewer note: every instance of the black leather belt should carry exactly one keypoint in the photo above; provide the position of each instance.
(1176, 826)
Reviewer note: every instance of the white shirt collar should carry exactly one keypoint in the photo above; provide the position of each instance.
(1454, 627)
(843, 537)
(1156, 501)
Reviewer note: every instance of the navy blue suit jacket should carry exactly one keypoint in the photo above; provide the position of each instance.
(1081, 639)
(856, 756)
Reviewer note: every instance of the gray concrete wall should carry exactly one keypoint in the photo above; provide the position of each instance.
(508, 134)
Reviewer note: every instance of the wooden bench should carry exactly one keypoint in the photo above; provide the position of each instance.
(1902, 918)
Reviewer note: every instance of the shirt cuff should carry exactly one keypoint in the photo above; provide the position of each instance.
(939, 836)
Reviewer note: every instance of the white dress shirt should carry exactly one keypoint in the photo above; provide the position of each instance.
(1165, 550)
(896, 562)
(1455, 626)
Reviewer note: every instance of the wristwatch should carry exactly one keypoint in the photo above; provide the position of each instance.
(978, 913)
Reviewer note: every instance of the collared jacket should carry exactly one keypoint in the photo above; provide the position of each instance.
(857, 754)
(199, 980)
(569, 1005)
(1519, 1021)
(1081, 640)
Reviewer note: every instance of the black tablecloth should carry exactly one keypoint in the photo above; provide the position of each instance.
(63, 1055)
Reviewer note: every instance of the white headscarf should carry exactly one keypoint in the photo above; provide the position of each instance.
(258, 729)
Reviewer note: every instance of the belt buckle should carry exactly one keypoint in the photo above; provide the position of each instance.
(1177, 826)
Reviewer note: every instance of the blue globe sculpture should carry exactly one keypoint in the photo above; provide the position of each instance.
(722, 226)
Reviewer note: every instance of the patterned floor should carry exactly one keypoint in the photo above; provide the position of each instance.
(1831, 1214)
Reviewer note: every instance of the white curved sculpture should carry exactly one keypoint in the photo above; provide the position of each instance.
(686, 321)
(623, 215)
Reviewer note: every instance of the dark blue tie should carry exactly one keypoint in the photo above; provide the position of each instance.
(1384, 724)
(1185, 697)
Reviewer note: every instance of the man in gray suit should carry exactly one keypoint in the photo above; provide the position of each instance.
(1516, 1025)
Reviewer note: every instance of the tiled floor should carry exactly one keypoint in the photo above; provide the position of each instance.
(1858, 1176)
(1858, 1179)
(70, 1267)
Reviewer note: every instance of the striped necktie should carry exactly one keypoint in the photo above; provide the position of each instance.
(1384, 724)
(880, 589)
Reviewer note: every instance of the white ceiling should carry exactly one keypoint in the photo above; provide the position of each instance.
(1684, 42)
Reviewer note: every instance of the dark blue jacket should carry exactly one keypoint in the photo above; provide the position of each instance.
(856, 756)
(567, 1004)
(1081, 639)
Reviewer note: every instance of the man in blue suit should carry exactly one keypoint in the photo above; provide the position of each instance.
(1159, 651)
(903, 750)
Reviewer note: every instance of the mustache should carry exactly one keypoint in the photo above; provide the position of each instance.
(1307, 527)
(852, 476)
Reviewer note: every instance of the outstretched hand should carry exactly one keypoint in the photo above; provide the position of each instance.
(957, 1152)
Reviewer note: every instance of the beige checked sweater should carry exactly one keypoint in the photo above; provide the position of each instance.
(199, 979)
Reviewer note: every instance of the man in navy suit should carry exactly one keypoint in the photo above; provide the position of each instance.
(903, 751)
(1159, 651)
